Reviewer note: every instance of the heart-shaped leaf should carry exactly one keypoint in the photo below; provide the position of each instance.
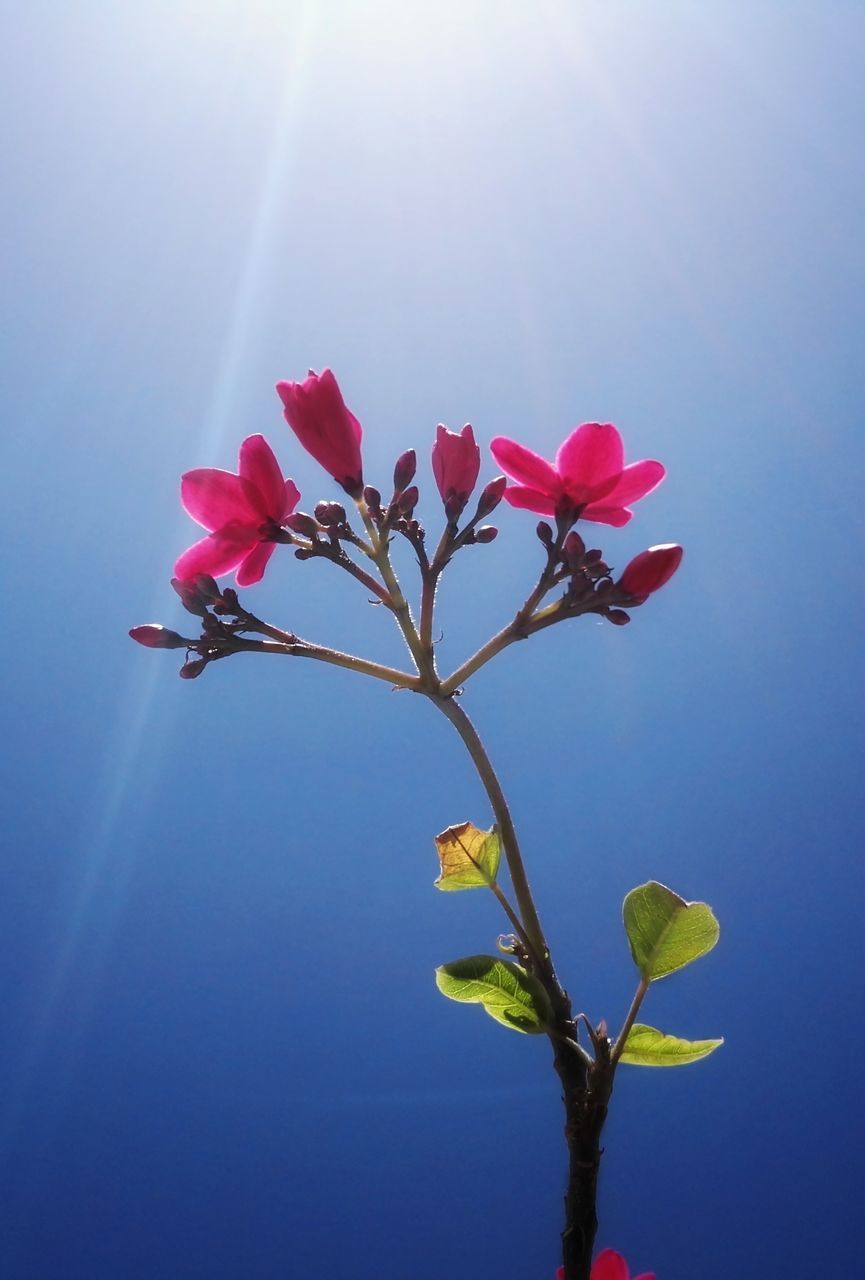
(648, 1047)
(665, 931)
(469, 857)
(505, 990)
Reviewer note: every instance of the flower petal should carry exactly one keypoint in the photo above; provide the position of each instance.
(258, 465)
(634, 483)
(609, 1265)
(218, 553)
(599, 513)
(520, 495)
(590, 461)
(646, 1275)
(290, 499)
(251, 568)
(524, 466)
(215, 498)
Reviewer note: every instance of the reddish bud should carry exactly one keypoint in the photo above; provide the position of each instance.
(573, 549)
(490, 497)
(190, 670)
(372, 498)
(329, 513)
(408, 501)
(456, 461)
(545, 533)
(648, 571)
(486, 533)
(403, 472)
(154, 636)
(303, 524)
(618, 617)
(190, 597)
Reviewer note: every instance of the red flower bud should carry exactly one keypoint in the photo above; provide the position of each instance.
(408, 500)
(154, 636)
(403, 472)
(190, 670)
(456, 461)
(486, 533)
(317, 414)
(648, 571)
(303, 524)
(491, 496)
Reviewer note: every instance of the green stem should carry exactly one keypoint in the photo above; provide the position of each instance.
(450, 708)
(399, 604)
(631, 1018)
(294, 647)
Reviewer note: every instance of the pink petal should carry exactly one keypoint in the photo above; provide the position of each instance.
(646, 1275)
(609, 1265)
(290, 499)
(215, 498)
(598, 513)
(590, 461)
(635, 482)
(258, 465)
(520, 495)
(218, 553)
(251, 568)
(524, 466)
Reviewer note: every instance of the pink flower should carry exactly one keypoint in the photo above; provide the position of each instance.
(456, 461)
(589, 474)
(609, 1265)
(242, 511)
(650, 570)
(316, 413)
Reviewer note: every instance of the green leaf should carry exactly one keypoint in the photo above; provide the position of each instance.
(647, 1047)
(505, 990)
(469, 857)
(665, 931)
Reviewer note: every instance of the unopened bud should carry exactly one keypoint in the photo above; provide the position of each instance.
(303, 524)
(650, 570)
(403, 472)
(618, 617)
(372, 498)
(545, 533)
(408, 500)
(486, 533)
(490, 497)
(190, 670)
(329, 513)
(154, 636)
(190, 597)
(208, 588)
(573, 549)
(592, 557)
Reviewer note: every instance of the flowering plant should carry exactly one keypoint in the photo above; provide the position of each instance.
(250, 513)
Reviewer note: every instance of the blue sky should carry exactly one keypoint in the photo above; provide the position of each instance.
(223, 1053)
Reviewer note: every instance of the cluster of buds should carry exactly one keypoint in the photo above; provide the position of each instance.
(204, 599)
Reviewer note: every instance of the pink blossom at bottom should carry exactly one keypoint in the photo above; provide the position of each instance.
(609, 1265)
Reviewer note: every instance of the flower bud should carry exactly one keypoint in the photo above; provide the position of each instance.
(648, 571)
(190, 670)
(372, 498)
(486, 533)
(545, 533)
(403, 472)
(456, 461)
(191, 597)
(317, 414)
(154, 636)
(329, 513)
(618, 617)
(573, 549)
(491, 497)
(408, 501)
(303, 524)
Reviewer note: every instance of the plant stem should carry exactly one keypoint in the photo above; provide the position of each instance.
(450, 708)
(631, 1018)
(294, 647)
(398, 602)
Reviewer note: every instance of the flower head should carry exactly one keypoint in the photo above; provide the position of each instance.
(588, 475)
(648, 571)
(317, 414)
(609, 1265)
(240, 511)
(456, 461)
